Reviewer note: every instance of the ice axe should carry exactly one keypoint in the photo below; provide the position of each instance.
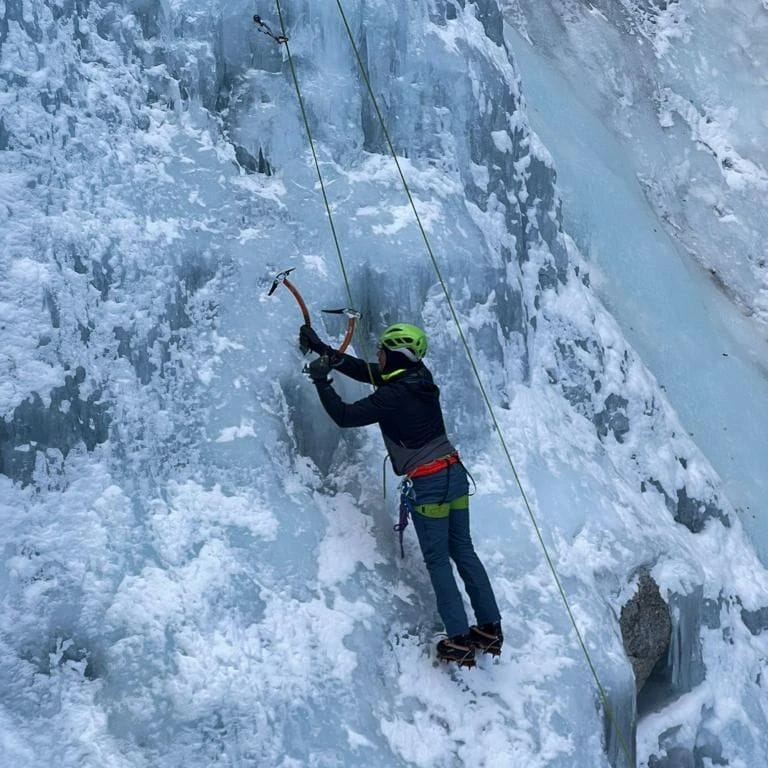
(282, 277)
(352, 314)
(352, 317)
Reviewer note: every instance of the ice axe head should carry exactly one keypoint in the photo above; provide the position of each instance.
(280, 277)
(352, 317)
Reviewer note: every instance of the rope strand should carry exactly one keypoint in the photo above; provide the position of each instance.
(284, 40)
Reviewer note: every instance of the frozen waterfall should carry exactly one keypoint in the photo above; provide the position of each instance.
(198, 568)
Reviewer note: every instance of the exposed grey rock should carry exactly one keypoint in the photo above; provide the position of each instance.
(755, 621)
(707, 750)
(711, 612)
(691, 512)
(5, 137)
(694, 513)
(677, 757)
(613, 418)
(251, 164)
(645, 628)
(685, 663)
(68, 419)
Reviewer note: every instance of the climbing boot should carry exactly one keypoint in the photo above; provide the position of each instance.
(458, 649)
(487, 638)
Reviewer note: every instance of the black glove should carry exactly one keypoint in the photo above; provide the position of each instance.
(308, 339)
(319, 369)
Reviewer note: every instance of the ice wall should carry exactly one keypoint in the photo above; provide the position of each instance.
(683, 85)
(198, 568)
(600, 70)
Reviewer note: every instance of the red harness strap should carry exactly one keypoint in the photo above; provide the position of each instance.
(433, 467)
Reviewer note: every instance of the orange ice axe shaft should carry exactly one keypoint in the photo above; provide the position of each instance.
(352, 317)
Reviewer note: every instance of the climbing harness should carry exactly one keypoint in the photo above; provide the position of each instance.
(406, 510)
(407, 497)
(433, 467)
(265, 29)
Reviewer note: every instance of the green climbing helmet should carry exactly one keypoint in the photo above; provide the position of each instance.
(405, 338)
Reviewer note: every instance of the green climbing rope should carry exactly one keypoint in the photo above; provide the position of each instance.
(537, 528)
(302, 108)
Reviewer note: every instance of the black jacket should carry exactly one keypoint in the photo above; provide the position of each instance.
(406, 408)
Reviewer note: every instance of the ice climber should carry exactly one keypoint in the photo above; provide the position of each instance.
(406, 406)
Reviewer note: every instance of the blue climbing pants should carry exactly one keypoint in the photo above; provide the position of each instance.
(441, 520)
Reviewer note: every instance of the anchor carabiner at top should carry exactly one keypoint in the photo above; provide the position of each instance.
(263, 27)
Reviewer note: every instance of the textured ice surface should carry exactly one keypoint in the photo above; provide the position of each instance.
(683, 86)
(705, 355)
(212, 578)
